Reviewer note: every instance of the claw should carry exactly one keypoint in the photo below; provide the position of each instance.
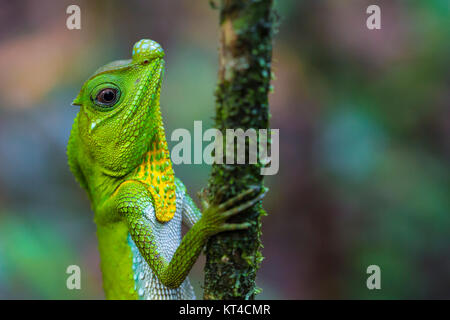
(202, 196)
(235, 226)
(220, 193)
(239, 197)
(243, 206)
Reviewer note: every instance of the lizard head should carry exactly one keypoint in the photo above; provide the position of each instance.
(119, 112)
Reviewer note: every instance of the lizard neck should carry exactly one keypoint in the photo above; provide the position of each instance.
(156, 172)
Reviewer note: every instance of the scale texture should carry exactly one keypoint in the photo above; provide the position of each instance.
(168, 238)
(118, 152)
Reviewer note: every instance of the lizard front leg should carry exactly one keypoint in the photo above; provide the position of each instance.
(131, 200)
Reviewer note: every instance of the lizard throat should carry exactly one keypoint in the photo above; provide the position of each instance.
(157, 174)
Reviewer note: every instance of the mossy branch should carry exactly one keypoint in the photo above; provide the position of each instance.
(246, 27)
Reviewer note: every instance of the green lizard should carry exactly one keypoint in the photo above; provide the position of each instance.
(118, 153)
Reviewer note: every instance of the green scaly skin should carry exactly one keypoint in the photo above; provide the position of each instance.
(118, 153)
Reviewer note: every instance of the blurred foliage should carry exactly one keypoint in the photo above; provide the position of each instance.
(364, 149)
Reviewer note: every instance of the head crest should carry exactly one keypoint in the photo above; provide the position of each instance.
(147, 49)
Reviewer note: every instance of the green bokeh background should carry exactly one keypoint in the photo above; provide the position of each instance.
(364, 123)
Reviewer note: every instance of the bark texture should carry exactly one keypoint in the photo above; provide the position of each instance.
(246, 26)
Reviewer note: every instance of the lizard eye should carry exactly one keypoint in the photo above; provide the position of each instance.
(107, 97)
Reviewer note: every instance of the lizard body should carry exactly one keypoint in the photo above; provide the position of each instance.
(118, 153)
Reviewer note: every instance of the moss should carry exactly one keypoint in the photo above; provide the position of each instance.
(241, 102)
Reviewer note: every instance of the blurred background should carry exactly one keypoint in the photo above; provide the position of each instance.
(364, 123)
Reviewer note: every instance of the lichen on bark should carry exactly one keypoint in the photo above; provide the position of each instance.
(246, 26)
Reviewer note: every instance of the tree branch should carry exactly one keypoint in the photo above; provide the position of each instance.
(232, 258)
